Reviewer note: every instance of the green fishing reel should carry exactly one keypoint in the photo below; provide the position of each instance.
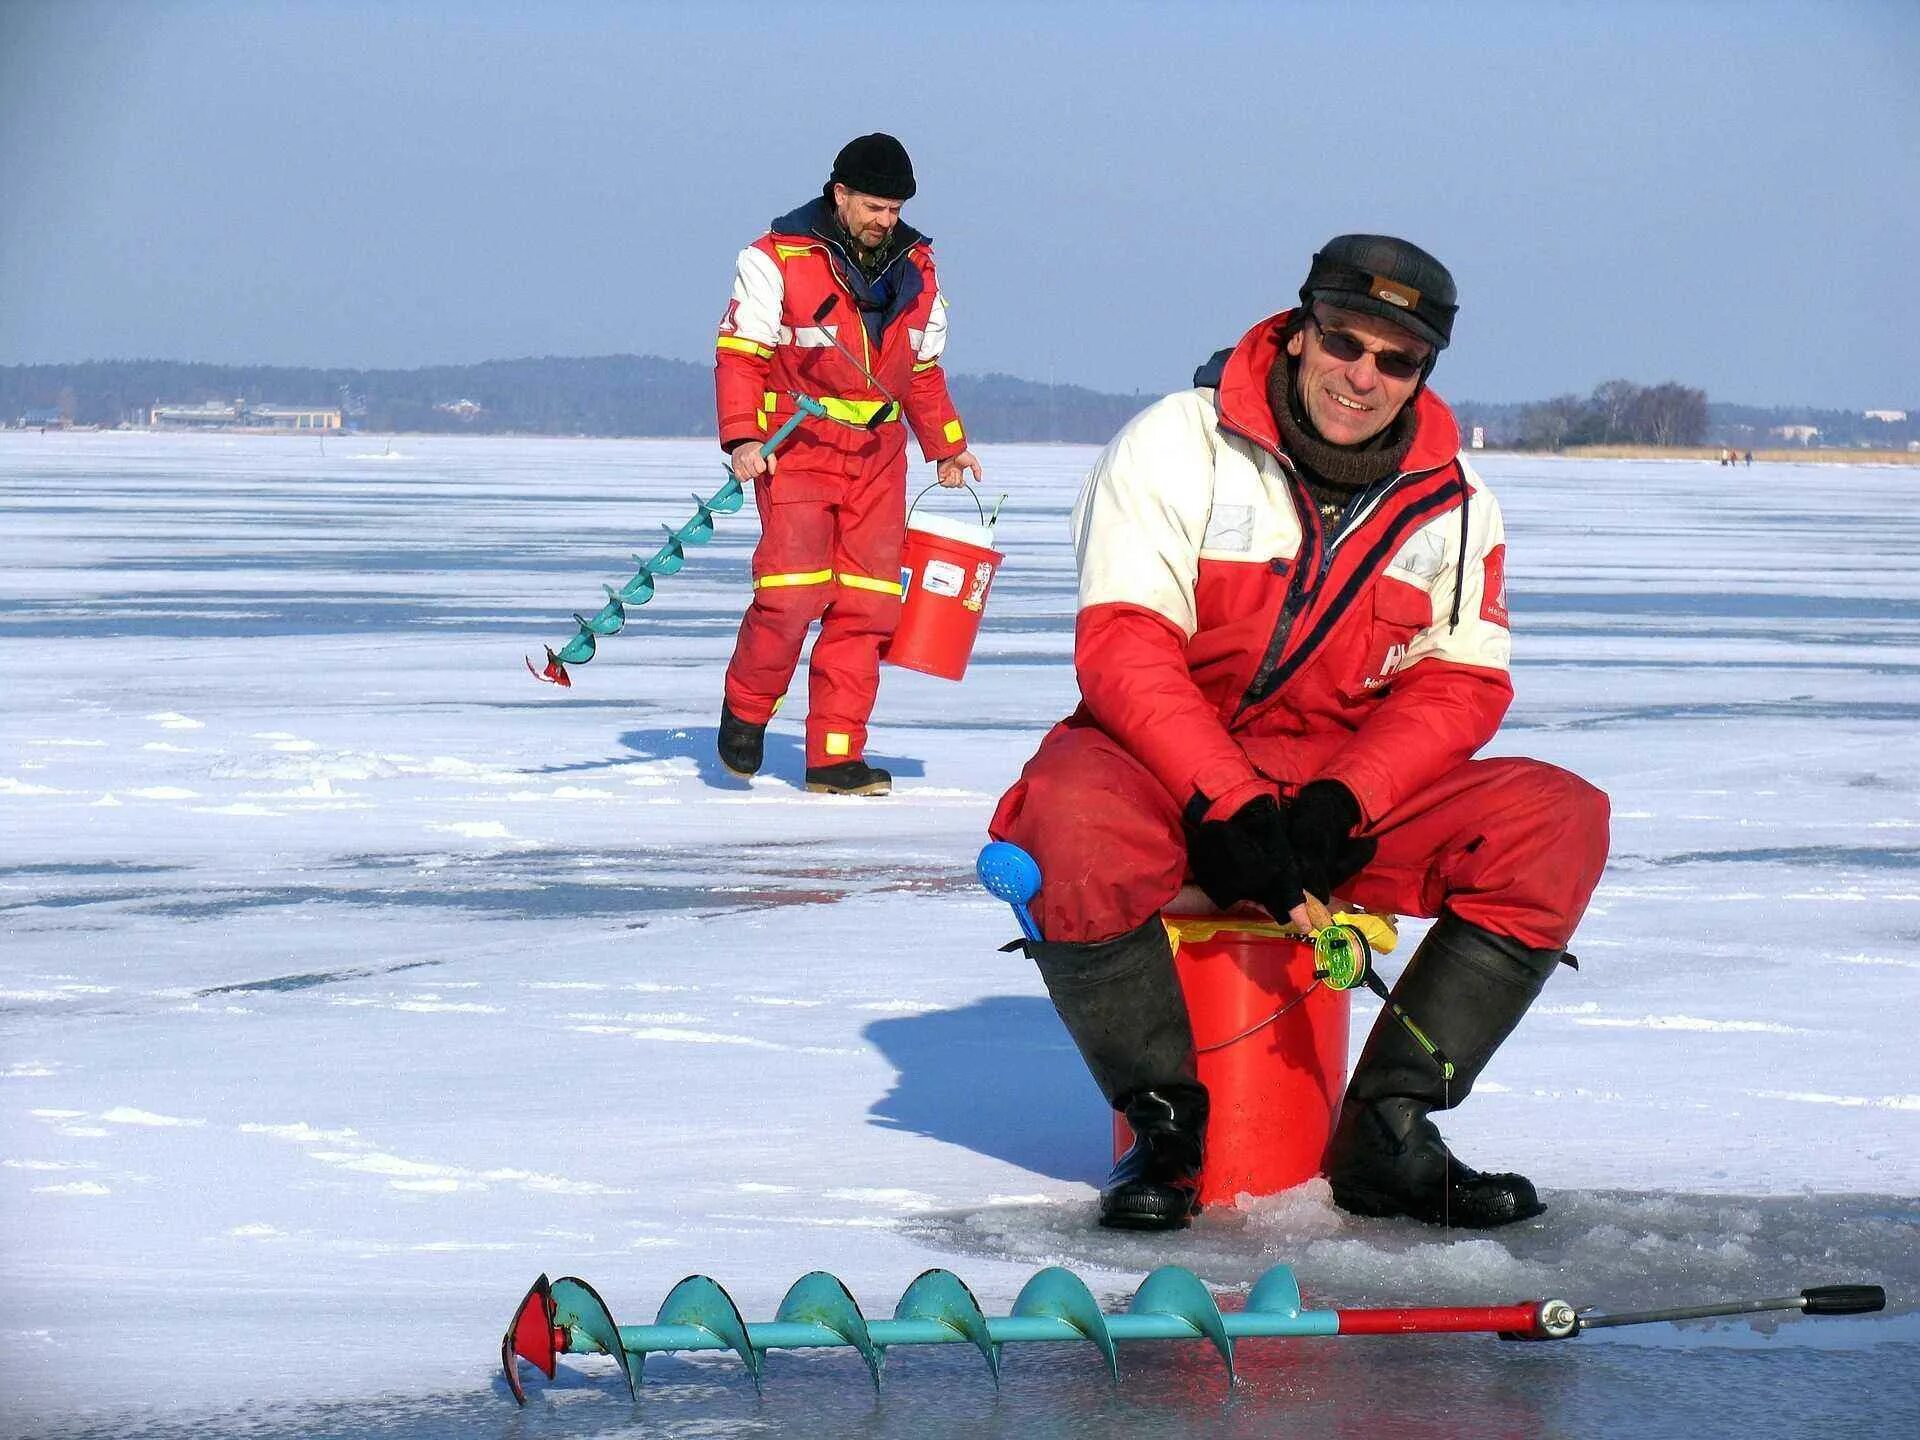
(1342, 958)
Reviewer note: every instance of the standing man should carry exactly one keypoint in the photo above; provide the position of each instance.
(1292, 639)
(837, 301)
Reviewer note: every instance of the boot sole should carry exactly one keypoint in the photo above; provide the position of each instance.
(1373, 1205)
(733, 769)
(879, 787)
(1146, 1222)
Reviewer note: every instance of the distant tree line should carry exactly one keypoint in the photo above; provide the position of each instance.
(646, 395)
(1617, 413)
(598, 395)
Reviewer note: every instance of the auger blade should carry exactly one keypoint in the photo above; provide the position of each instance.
(822, 1299)
(1276, 1292)
(580, 648)
(555, 673)
(728, 499)
(577, 1306)
(639, 589)
(611, 617)
(1172, 1290)
(699, 529)
(942, 1296)
(668, 559)
(704, 1303)
(530, 1337)
(1062, 1295)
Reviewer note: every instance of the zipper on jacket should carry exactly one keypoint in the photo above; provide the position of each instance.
(1271, 674)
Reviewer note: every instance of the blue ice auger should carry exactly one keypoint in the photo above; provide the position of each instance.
(611, 617)
(567, 1316)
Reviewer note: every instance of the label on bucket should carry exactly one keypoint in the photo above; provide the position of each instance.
(943, 578)
(982, 577)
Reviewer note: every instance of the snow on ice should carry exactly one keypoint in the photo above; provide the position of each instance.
(350, 978)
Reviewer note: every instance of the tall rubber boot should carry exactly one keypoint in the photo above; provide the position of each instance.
(1466, 988)
(1122, 1005)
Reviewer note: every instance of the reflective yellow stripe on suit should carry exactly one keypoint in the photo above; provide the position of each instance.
(804, 577)
(745, 347)
(851, 412)
(867, 582)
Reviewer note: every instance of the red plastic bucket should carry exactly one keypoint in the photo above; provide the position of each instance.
(945, 572)
(1272, 1053)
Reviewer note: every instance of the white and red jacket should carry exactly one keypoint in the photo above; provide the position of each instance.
(1213, 603)
(774, 340)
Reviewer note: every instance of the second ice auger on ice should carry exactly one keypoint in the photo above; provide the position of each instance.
(611, 617)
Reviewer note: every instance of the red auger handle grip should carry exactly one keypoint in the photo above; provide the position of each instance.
(1844, 1299)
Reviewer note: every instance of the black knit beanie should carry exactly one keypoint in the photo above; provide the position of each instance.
(875, 164)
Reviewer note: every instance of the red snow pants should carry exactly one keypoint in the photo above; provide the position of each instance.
(1513, 846)
(832, 524)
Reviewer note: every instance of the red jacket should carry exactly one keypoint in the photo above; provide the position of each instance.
(773, 340)
(1214, 605)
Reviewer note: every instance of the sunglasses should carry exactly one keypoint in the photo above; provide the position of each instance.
(1346, 347)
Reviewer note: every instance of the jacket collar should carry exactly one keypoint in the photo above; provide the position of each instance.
(815, 221)
(1242, 399)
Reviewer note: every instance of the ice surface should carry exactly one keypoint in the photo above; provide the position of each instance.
(350, 978)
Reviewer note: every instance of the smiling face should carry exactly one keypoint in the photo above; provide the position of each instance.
(868, 218)
(1352, 400)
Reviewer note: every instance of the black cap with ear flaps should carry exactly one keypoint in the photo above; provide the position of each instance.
(1392, 278)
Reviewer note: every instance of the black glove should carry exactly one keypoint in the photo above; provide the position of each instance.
(1320, 826)
(1246, 857)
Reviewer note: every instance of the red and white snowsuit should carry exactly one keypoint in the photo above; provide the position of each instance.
(1228, 646)
(833, 517)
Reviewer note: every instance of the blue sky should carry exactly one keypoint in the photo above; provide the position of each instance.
(1722, 194)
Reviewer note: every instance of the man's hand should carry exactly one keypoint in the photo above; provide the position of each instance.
(1247, 856)
(952, 472)
(1320, 825)
(749, 463)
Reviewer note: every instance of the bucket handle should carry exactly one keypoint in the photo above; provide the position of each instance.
(985, 524)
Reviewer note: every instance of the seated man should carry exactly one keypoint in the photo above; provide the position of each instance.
(1292, 638)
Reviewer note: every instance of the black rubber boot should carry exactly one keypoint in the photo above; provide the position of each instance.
(1156, 1184)
(849, 777)
(1123, 1007)
(1466, 988)
(742, 746)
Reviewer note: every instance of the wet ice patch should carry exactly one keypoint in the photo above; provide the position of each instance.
(164, 792)
(173, 720)
(473, 829)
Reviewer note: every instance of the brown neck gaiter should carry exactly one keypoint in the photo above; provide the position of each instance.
(1333, 474)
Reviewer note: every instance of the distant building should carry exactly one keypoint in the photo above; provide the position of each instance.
(1798, 434)
(1885, 417)
(292, 417)
(239, 415)
(463, 408)
(45, 418)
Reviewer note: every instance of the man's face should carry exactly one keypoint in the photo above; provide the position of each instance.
(1351, 401)
(868, 218)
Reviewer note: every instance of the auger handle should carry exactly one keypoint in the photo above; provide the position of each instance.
(1843, 1299)
(1818, 1300)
